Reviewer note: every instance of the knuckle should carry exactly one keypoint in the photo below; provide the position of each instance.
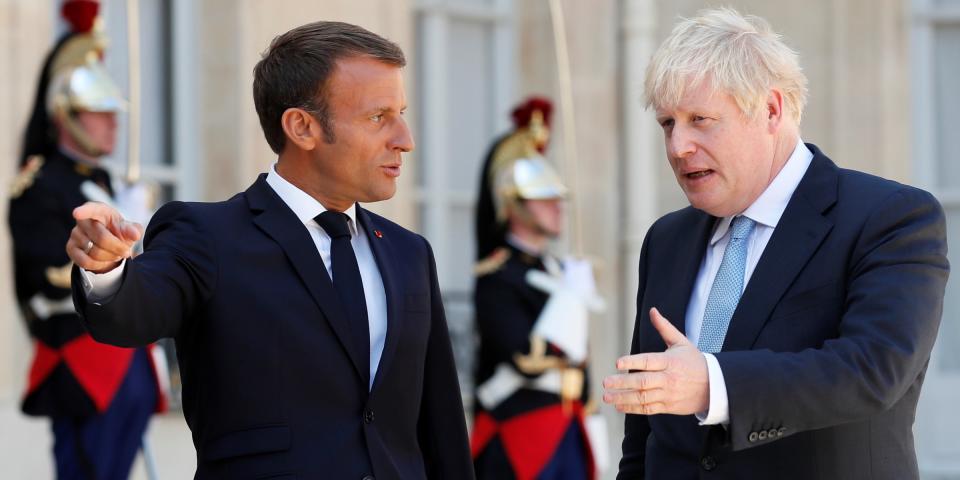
(643, 382)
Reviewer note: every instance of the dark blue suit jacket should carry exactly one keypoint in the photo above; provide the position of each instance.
(827, 349)
(272, 384)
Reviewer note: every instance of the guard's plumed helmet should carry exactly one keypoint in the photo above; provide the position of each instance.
(78, 80)
(529, 178)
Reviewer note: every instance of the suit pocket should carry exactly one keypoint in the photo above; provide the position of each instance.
(820, 296)
(416, 302)
(252, 441)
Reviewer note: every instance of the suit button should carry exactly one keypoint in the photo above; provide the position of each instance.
(763, 435)
(708, 463)
(368, 477)
(781, 431)
(753, 437)
(368, 418)
(772, 433)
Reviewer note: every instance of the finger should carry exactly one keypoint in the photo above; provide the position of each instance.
(84, 261)
(103, 238)
(129, 231)
(650, 362)
(634, 397)
(635, 381)
(95, 211)
(667, 331)
(645, 409)
(100, 255)
(79, 240)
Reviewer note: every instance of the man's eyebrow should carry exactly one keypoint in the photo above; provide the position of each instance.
(386, 109)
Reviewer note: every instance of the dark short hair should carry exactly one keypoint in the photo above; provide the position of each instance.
(294, 71)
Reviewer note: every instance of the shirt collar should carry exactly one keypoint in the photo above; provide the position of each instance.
(770, 205)
(305, 207)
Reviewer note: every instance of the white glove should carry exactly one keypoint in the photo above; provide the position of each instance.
(564, 319)
(136, 201)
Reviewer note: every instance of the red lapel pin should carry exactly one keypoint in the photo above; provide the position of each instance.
(378, 234)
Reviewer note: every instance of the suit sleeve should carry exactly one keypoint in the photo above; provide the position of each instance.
(162, 288)
(442, 428)
(895, 286)
(636, 428)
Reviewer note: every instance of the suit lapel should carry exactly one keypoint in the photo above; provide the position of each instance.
(798, 235)
(385, 255)
(278, 222)
(690, 246)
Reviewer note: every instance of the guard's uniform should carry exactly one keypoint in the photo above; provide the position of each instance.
(530, 382)
(99, 397)
(535, 431)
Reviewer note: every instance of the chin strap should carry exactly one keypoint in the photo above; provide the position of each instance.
(79, 135)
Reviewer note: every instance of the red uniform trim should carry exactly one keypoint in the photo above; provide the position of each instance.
(484, 429)
(98, 368)
(45, 360)
(530, 439)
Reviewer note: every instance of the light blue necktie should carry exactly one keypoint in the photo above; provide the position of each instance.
(727, 287)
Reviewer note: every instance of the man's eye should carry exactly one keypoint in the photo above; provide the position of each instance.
(666, 123)
(698, 118)
(377, 118)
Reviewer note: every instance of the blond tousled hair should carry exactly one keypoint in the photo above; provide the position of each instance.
(738, 55)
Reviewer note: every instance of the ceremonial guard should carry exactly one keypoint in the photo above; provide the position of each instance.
(531, 316)
(99, 397)
(531, 130)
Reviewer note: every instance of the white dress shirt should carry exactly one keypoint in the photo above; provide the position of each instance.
(100, 287)
(766, 212)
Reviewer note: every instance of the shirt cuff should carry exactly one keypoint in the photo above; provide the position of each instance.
(719, 410)
(100, 287)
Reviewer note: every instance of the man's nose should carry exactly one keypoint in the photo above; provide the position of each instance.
(402, 139)
(680, 142)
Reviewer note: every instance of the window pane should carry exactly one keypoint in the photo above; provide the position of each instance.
(473, 3)
(471, 101)
(950, 324)
(459, 267)
(946, 73)
(458, 308)
(154, 83)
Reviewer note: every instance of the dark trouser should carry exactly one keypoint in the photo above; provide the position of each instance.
(568, 461)
(104, 446)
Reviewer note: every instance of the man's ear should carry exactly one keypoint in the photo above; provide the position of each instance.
(774, 110)
(300, 128)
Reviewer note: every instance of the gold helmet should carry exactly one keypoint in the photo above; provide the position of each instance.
(528, 178)
(79, 81)
(529, 137)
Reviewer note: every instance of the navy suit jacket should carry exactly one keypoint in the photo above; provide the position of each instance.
(827, 349)
(272, 384)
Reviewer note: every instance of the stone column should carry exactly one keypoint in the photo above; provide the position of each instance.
(26, 34)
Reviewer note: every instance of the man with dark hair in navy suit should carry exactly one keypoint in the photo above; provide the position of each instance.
(310, 332)
(785, 319)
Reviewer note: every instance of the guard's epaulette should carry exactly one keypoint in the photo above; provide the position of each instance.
(492, 262)
(24, 179)
(59, 276)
